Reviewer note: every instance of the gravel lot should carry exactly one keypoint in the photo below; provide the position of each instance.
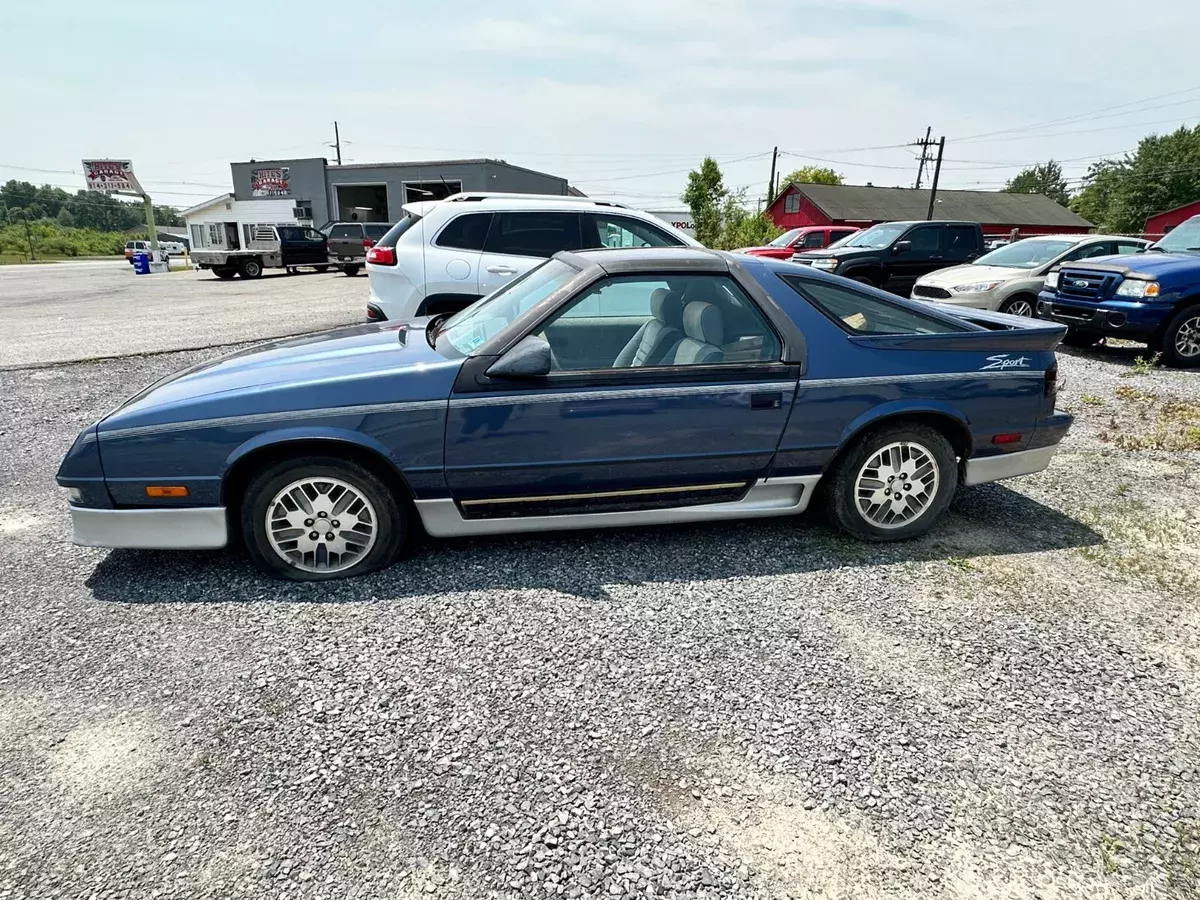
(1006, 708)
(90, 310)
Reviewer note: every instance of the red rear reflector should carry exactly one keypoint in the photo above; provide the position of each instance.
(1012, 438)
(166, 490)
(368, 243)
(1051, 381)
(370, 313)
(381, 256)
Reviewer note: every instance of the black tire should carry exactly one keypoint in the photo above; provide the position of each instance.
(224, 274)
(1180, 344)
(1022, 302)
(1081, 339)
(390, 520)
(864, 279)
(351, 270)
(322, 269)
(841, 491)
(250, 268)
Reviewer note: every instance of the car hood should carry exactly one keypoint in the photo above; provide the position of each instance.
(956, 275)
(337, 368)
(1155, 264)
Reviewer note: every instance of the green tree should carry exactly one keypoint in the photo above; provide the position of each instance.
(742, 228)
(1101, 192)
(1046, 179)
(705, 196)
(64, 218)
(813, 175)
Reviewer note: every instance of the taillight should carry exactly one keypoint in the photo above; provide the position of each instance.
(1051, 388)
(382, 256)
(368, 243)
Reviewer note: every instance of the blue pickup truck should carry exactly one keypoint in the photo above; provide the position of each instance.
(1152, 297)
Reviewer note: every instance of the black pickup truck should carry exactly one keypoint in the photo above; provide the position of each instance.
(350, 241)
(893, 255)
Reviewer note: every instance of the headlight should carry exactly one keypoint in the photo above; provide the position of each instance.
(829, 264)
(1052, 281)
(1133, 287)
(976, 287)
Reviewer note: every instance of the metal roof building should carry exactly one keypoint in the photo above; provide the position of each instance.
(862, 205)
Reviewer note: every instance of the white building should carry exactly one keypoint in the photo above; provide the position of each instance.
(680, 218)
(219, 211)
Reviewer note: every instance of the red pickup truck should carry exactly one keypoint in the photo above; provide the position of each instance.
(810, 237)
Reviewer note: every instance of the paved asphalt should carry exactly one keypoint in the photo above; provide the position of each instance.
(66, 312)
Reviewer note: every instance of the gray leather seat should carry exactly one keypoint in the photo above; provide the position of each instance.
(652, 343)
(704, 330)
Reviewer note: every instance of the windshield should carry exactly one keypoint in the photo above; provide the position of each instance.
(785, 239)
(876, 236)
(467, 330)
(1027, 254)
(1184, 237)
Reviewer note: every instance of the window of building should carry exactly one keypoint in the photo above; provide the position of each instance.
(864, 314)
(791, 203)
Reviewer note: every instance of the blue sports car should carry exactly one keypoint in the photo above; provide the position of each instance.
(603, 388)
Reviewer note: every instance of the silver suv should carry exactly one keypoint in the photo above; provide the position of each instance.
(446, 254)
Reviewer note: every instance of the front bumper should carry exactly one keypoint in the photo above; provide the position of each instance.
(1136, 321)
(199, 528)
(988, 300)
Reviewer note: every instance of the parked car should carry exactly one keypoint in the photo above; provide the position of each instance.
(893, 255)
(602, 388)
(247, 252)
(1152, 297)
(350, 241)
(446, 254)
(132, 247)
(1008, 279)
(172, 248)
(810, 237)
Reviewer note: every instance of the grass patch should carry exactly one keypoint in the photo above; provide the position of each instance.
(1143, 543)
(1157, 424)
(1091, 400)
(1142, 366)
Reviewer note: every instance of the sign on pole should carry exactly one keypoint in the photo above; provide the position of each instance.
(114, 176)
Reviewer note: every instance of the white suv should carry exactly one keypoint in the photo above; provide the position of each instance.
(446, 254)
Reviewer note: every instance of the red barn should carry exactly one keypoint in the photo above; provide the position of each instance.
(862, 205)
(1160, 223)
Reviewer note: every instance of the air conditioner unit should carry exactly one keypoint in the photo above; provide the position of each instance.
(302, 212)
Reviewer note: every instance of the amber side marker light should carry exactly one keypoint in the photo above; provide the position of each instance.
(166, 490)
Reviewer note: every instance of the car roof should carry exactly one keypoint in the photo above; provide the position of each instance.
(540, 202)
(640, 259)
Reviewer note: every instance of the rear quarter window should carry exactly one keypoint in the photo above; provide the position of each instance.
(860, 313)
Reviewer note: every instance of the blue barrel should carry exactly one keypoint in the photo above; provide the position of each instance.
(141, 263)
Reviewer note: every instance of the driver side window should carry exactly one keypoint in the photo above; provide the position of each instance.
(638, 321)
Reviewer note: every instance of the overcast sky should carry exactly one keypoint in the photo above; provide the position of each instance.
(619, 96)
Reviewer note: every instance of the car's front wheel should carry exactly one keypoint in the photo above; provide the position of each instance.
(894, 483)
(1020, 305)
(1181, 339)
(321, 518)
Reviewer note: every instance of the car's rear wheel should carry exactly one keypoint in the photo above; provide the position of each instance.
(1020, 305)
(1081, 339)
(224, 274)
(351, 270)
(1181, 339)
(251, 268)
(894, 483)
(321, 518)
(864, 279)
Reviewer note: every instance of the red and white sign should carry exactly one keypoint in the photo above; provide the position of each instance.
(112, 176)
(270, 182)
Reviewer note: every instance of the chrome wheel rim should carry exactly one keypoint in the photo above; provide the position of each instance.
(1187, 339)
(896, 485)
(1021, 308)
(321, 525)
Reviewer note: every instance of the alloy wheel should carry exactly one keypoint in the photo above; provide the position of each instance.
(1020, 308)
(321, 524)
(1187, 338)
(896, 485)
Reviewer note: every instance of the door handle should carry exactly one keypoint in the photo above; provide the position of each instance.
(501, 270)
(935, 257)
(766, 400)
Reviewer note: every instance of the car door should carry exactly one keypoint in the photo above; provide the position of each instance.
(454, 267)
(608, 230)
(916, 252)
(518, 241)
(697, 426)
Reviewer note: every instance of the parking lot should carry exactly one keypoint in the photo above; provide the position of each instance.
(1007, 708)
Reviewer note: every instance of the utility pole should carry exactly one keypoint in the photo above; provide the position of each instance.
(151, 227)
(28, 235)
(924, 144)
(337, 142)
(771, 182)
(936, 172)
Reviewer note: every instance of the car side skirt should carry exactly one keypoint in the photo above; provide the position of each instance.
(766, 497)
(198, 528)
(981, 470)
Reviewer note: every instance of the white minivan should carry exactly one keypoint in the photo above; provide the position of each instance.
(443, 255)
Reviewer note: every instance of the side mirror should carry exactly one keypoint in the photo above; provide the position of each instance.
(529, 359)
(901, 247)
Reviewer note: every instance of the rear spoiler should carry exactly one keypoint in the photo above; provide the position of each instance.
(1001, 332)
